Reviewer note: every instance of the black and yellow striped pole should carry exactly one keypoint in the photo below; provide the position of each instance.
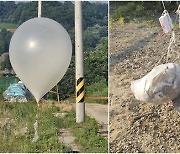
(80, 105)
(80, 90)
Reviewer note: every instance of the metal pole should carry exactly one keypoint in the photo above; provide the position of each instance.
(80, 105)
(39, 8)
(179, 14)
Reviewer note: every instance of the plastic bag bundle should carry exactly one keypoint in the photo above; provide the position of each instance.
(166, 22)
(161, 84)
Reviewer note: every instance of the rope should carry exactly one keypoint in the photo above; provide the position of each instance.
(172, 40)
(178, 14)
(163, 5)
(36, 136)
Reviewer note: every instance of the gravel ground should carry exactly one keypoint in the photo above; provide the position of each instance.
(135, 126)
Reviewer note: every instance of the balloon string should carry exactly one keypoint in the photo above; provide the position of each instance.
(163, 5)
(172, 40)
(36, 136)
(178, 14)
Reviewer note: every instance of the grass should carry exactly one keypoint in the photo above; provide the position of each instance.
(8, 26)
(128, 11)
(6, 81)
(85, 133)
(21, 117)
(136, 12)
(97, 89)
(17, 132)
(176, 26)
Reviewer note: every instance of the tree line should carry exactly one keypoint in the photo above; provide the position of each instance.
(95, 31)
(94, 18)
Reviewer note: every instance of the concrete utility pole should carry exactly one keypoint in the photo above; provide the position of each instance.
(178, 12)
(39, 8)
(80, 105)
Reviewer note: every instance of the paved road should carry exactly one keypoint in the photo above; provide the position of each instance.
(100, 113)
(97, 111)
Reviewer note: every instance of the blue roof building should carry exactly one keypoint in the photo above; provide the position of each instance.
(16, 92)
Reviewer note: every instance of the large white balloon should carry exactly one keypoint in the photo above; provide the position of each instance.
(40, 53)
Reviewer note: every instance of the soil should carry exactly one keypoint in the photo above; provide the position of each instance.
(135, 126)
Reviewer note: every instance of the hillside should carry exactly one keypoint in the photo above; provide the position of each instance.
(135, 48)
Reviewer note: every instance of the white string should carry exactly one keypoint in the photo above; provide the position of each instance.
(172, 40)
(36, 136)
(178, 13)
(163, 5)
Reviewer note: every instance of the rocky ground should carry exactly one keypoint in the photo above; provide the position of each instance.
(135, 126)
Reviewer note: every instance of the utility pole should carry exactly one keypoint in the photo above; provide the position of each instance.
(178, 13)
(39, 8)
(80, 105)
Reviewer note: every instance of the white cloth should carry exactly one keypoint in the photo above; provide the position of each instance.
(161, 84)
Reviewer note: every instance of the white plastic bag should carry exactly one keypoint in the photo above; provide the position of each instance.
(166, 22)
(161, 84)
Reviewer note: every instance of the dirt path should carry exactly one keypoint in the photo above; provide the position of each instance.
(135, 48)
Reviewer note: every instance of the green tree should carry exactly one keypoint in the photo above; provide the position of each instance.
(5, 37)
(6, 64)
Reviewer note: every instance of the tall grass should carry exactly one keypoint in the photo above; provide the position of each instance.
(17, 131)
(85, 133)
(128, 11)
(97, 89)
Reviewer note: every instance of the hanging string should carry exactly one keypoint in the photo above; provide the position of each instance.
(36, 136)
(163, 5)
(172, 40)
(178, 14)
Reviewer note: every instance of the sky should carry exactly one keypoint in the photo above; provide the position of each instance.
(99, 1)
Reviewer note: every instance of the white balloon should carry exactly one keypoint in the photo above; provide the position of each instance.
(40, 52)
